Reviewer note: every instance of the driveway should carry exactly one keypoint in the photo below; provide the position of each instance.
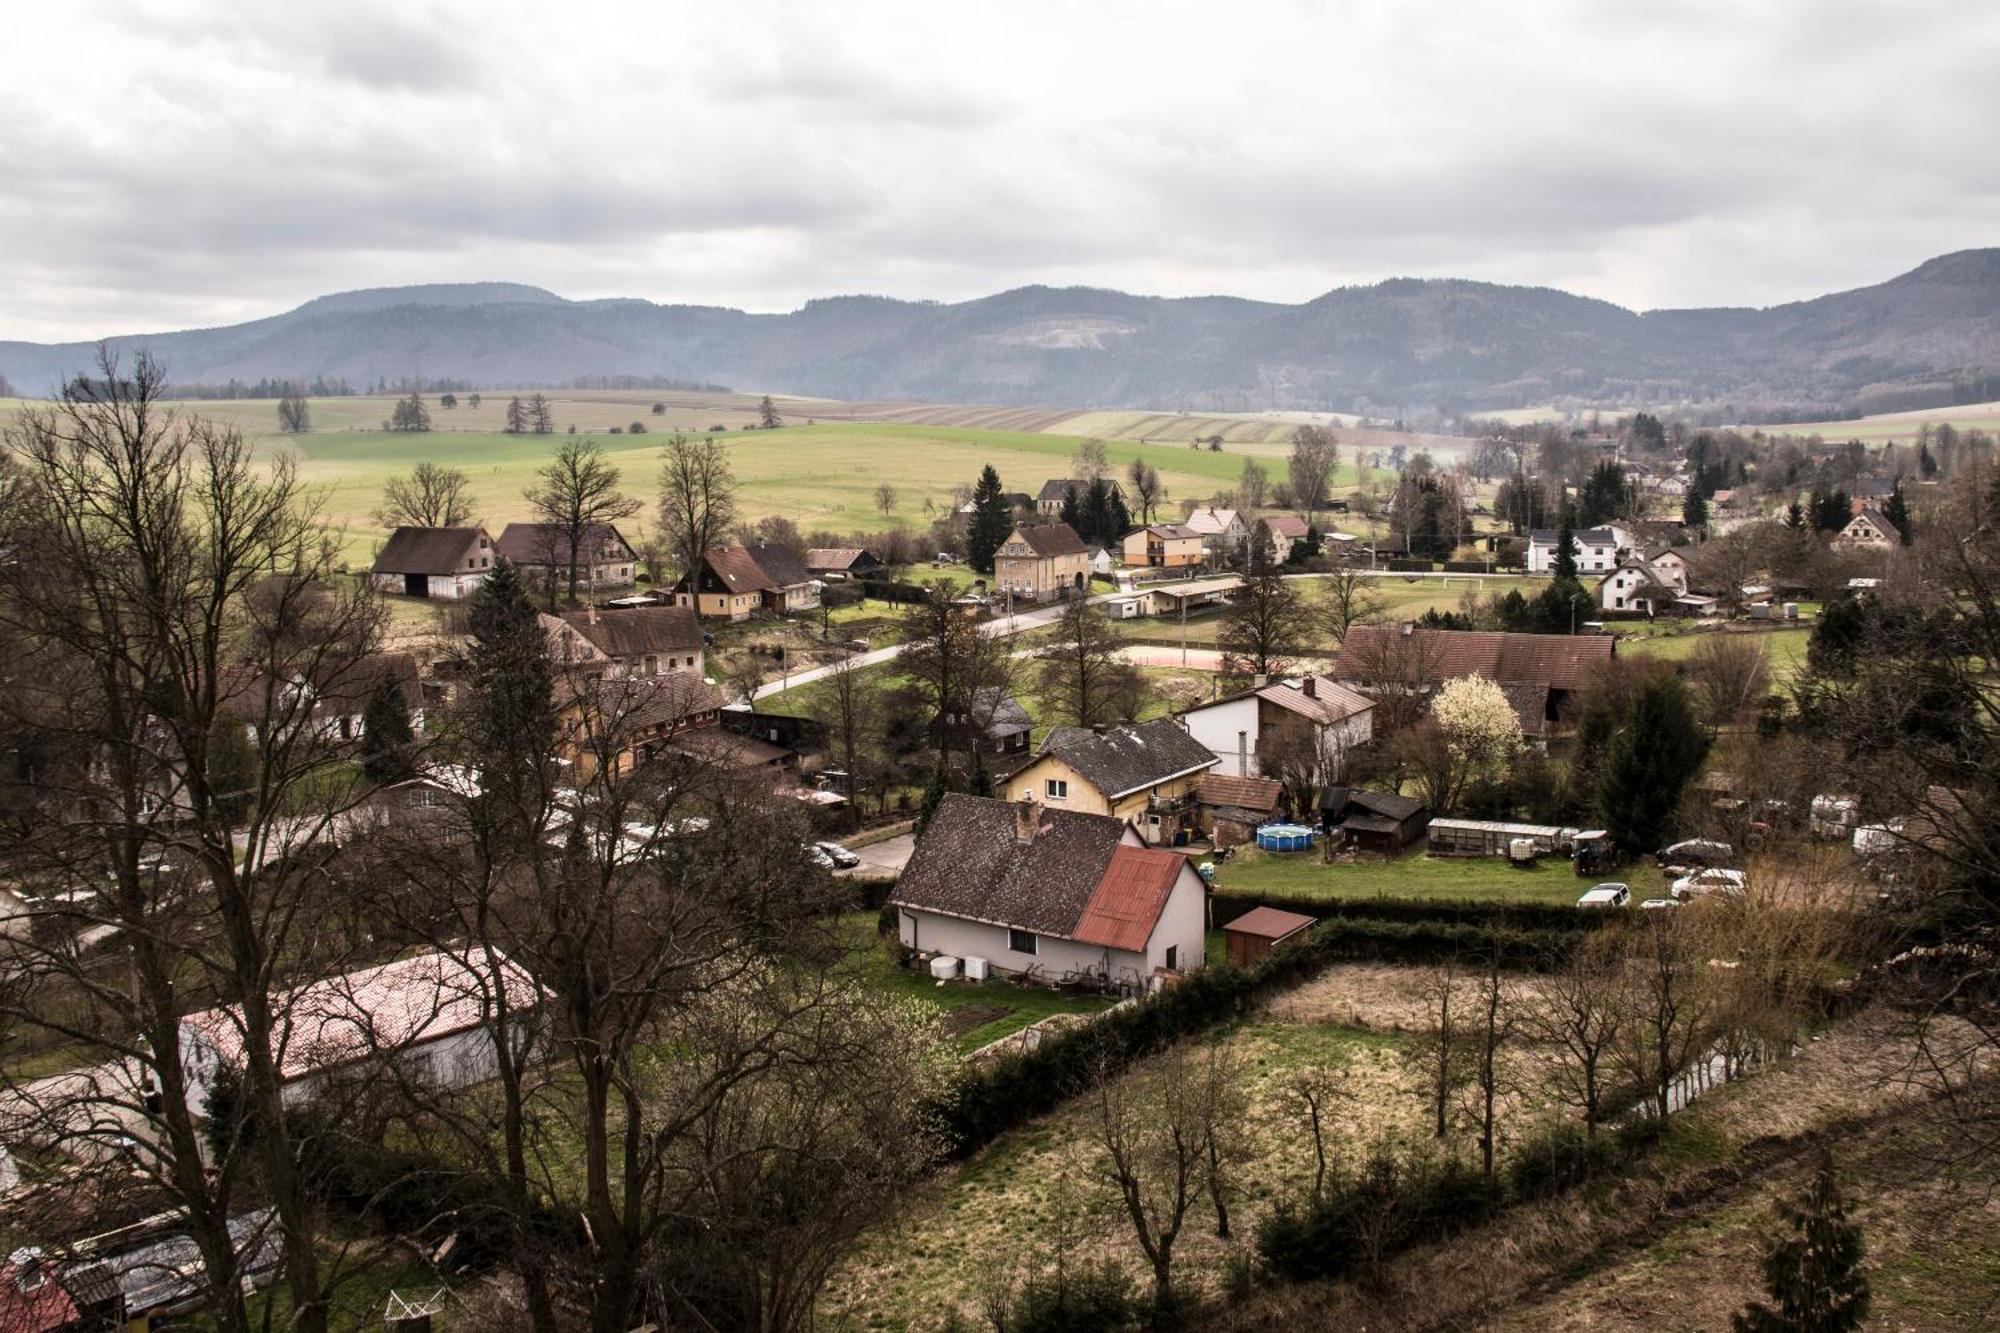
(884, 858)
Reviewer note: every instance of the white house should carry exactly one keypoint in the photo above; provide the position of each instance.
(1222, 531)
(1055, 894)
(1099, 561)
(1596, 549)
(1235, 728)
(428, 1014)
(1869, 530)
(1626, 588)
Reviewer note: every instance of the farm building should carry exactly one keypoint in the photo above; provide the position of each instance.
(1063, 896)
(1251, 937)
(1145, 773)
(793, 587)
(1182, 596)
(445, 563)
(1231, 808)
(1373, 821)
(604, 559)
(428, 1013)
(1235, 729)
(845, 561)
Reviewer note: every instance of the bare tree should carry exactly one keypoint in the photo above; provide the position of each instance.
(847, 701)
(1441, 1056)
(1146, 489)
(1091, 461)
(1671, 999)
(1732, 675)
(885, 499)
(541, 415)
(1151, 1128)
(1306, 757)
(697, 498)
(181, 803)
(1315, 455)
(1255, 483)
(1577, 1019)
(1319, 1089)
(294, 412)
(1265, 626)
(575, 493)
(431, 496)
(1351, 597)
(1082, 670)
(1492, 1028)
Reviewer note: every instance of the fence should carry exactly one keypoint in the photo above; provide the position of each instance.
(1720, 1067)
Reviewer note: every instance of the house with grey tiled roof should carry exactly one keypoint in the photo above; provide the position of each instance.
(1021, 888)
(1144, 772)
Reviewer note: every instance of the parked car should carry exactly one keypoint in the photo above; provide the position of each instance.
(1607, 895)
(817, 857)
(1697, 851)
(842, 858)
(1730, 882)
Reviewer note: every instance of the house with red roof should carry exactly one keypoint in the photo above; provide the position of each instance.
(1053, 894)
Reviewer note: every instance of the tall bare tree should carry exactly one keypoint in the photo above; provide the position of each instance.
(1350, 598)
(1091, 460)
(847, 701)
(1147, 492)
(431, 496)
(1315, 455)
(1267, 623)
(574, 493)
(1082, 671)
(1576, 1020)
(181, 802)
(697, 498)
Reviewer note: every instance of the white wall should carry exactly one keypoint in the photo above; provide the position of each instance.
(1217, 727)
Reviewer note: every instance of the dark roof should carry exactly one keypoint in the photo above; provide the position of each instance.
(636, 631)
(781, 564)
(738, 570)
(1053, 490)
(1881, 522)
(1048, 539)
(548, 544)
(969, 863)
(1581, 536)
(1530, 703)
(427, 550)
(640, 703)
(1388, 804)
(1558, 661)
(1285, 525)
(829, 558)
(1125, 759)
(1270, 923)
(1260, 794)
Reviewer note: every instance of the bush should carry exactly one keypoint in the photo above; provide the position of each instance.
(1402, 1197)
(1519, 916)
(1085, 1301)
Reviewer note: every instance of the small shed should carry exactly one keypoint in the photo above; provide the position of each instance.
(1481, 837)
(1254, 934)
(1232, 808)
(1374, 821)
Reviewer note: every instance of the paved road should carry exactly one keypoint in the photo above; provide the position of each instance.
(887, 857)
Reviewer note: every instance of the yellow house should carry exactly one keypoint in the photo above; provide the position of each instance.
(1146, 774)
(1163, 546)
(729, 585)
(1042, 562)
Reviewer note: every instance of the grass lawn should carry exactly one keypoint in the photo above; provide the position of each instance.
(1785, 647)
(975, 1014)
(1469, 879)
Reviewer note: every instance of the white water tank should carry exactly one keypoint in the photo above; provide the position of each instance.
(944, 967)
(1521, 849)
(975, 969)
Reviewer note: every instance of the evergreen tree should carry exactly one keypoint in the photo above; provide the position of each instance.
(410, 414)
(1603, 495)
(1694, 512)
(1654, 755)
(992, 520)
(1795, 516)
(1072, 510)
(388, 741)
(1119, 521)
(1814, 1276)
(767, 414)
(1097, 511)
(1897, 511)
(510, 731)
(517, 417)
(1838, 633)
(1565, 567)
(540, 416)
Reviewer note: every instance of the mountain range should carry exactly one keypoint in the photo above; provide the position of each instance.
(1404, 346)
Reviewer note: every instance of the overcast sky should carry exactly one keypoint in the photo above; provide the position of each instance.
(171, 163)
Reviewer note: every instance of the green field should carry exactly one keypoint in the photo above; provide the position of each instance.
(1785, 647)
(1470, 879)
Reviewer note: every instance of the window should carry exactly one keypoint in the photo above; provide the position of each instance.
(1021, 941)
(1058, 789)
(1173, 958)
(1153, 821)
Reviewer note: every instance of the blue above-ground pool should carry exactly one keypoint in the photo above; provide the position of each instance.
(1286, 838)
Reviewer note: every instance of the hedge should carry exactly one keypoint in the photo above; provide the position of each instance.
(987, 1102)
(1230, 904)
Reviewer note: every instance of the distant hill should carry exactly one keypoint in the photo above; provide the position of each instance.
(1928, 337)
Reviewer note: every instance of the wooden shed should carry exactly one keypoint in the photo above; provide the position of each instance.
(1254, 934)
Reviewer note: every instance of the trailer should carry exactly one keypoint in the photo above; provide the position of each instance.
(1483, 837)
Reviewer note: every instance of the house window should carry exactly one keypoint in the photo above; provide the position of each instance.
(1021, 941)
(1173, 958)
(1153, 821)
(1058, 789)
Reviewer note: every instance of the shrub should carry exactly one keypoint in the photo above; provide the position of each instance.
(1082, 1302)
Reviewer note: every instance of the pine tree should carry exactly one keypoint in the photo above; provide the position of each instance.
(511, 729)
(1897, 511)
(1072, 510)
(1795, 516)
(992, 520)
(517, 417)
(767, 414)
(1565, 550)
(539, 413)
(1097, 512)
(1694, 512)
(1652, 758)
(1814, 1276)
(388, 741)
(1119, 521)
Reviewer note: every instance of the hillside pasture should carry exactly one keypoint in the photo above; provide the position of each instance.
(1899, 427)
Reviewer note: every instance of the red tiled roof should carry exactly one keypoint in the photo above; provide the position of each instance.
(1286, 525)
(1269, 923)
(1129, 899)
(1328, 705)
(1047, 539)
(1243, 793)
(1558, 661)
(738, 570)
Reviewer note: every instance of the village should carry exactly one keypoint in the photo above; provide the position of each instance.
(509, 929)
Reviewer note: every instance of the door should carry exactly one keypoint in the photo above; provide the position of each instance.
(417, 585)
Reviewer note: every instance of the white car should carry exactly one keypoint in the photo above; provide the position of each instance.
(1606, 895)
(817, 857)
(1730, 882)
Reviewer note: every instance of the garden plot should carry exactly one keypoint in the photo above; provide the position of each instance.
(983, 1220)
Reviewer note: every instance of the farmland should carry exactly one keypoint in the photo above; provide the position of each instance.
(1900, 427)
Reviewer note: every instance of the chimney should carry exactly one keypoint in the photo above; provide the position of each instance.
(1026, 816)
(1311, 687)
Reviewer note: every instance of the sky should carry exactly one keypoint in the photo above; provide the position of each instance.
(184, 163)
